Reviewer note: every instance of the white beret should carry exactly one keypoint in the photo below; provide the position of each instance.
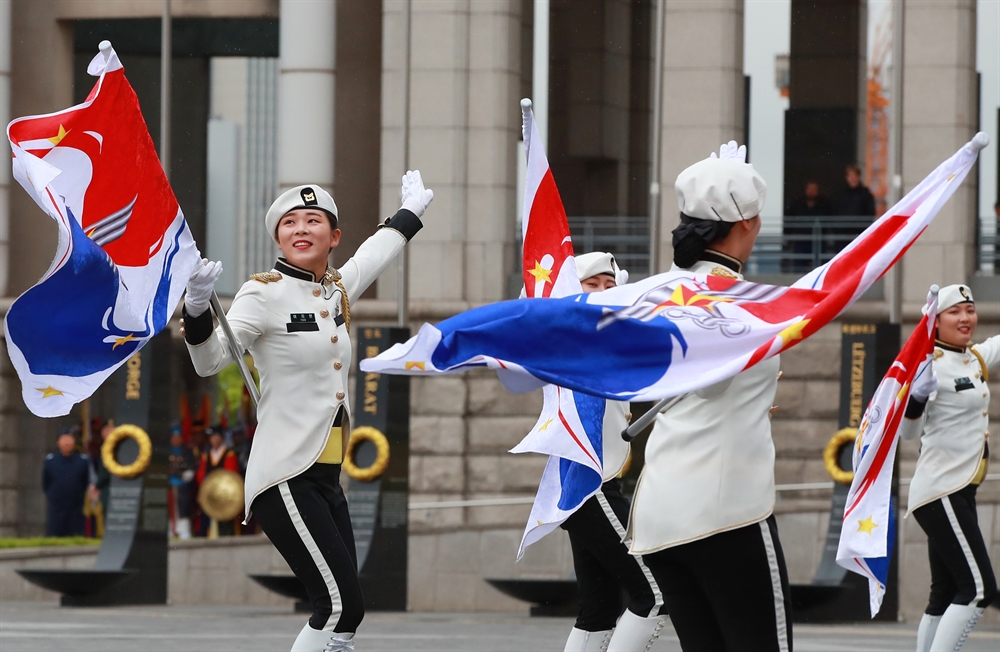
(952, 295)
(307, 196)
(594, 263)
(719, 189)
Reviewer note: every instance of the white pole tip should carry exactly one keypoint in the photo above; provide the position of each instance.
(935, 289)
(525, 104)
(980, 140)
(104, 46)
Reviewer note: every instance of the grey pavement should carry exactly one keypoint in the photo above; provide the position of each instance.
(37, 627)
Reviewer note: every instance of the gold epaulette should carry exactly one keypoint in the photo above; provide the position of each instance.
(723, 272)
(266, 277)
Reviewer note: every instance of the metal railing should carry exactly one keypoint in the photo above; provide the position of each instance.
(797, 245)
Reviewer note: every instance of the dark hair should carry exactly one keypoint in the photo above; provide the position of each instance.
(853, 167)
(693, 235)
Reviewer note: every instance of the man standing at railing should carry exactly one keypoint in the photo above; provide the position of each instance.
(856, 199)
(798, 235)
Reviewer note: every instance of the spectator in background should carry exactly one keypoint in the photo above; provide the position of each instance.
(102, 477)
(799, 232)
(65, 480)
(182, 469)
(856, 199)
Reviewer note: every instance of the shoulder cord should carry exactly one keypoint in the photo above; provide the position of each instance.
(982, 365)
(345, 304)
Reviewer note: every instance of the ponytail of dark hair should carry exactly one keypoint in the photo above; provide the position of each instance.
(693, 235)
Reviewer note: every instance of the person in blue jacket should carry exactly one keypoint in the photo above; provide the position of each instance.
(65, 480)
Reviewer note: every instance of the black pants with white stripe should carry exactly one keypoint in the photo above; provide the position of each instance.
(306, 519)
(728, 592)
(960, 565)
(603, 566)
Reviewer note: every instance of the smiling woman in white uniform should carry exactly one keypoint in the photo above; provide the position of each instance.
(295, 321)
(702, 512)
(949, 411)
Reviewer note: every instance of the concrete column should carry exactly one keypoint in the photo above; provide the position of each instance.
(5, 162)
(939, 116)
(464, 125)
(306, 93)
(702, 94)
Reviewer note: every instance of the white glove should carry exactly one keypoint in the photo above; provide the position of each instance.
(187, 476)
(924, 385)
(200, 287)
(416, 198)
(731, 151)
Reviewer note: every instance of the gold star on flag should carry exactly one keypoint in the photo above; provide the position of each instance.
(415, 365)
(49, 391)
(545, 426)
(540, 273)
(793, 332)
(867, 525)
(55, 140)
(122, 340)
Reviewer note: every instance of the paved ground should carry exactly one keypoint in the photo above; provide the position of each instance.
(34, 627)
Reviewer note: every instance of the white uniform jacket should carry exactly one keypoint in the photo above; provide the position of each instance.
(616, 449)
(294, 327)
(954, 425)
(709, 460)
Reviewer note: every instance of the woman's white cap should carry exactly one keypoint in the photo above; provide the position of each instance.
(307, 196)
(952, 295)
(600, 262)
(721, 190)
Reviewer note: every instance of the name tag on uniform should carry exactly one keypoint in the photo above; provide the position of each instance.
(302, 321)
(963, 383)
(339, 320)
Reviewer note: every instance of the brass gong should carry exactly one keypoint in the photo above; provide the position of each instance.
(221, 495)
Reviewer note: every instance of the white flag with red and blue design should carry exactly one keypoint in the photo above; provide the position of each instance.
(124, 253)
(869, 529)
(571, 426)
(675, 332)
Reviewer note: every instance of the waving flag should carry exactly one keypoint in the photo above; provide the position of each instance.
(869, 531)
(571, 426)
(675, 332)
(124, 254)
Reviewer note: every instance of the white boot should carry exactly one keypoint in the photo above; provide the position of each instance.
(925, 632)
(954, 626)
(635, 633)
(340, 642)
(311, 640)
(581, 641)
(184, 528)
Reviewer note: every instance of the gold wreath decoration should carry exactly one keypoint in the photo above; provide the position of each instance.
(830, 454)
(378, 467)
(119, 434)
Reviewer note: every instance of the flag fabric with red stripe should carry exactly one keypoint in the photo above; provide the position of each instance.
(869, 528)
(124, 253)
(675, 332)
(570, 427)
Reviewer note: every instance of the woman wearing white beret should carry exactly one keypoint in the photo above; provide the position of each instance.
(949, 411)
(702, 511)
(295, 321)
(604, 567)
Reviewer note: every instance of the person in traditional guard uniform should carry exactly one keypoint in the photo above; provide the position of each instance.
(66, 475)
(949, 411)
(295, 321)
(602, 562)
(702, 511)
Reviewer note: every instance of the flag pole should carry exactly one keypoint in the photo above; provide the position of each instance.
(640, 424)
(166, 53)
(234, 349)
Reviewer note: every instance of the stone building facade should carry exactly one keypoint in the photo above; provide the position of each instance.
(470, 63)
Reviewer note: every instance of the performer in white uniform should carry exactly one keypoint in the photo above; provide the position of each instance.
(949, 411)
(604, 568)
(702, 512)
(295, 321)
